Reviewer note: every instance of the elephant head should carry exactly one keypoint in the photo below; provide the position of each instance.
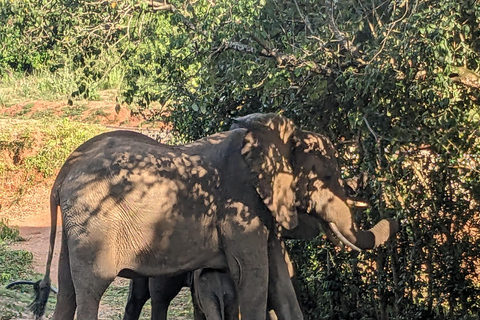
(298, 172)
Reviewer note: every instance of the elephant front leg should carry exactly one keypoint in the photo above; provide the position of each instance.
(281, 294)
(248, 264)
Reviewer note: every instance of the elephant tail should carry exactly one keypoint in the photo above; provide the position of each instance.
(43, 287)
(20, 282)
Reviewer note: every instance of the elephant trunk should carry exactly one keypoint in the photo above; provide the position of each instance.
(345, 229)
(359, 240)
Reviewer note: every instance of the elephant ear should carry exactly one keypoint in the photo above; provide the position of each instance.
(267, 149)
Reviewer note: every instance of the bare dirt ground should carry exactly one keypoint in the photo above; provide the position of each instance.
(31, 213)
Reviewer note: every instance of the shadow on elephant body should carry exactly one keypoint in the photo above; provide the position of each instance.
(157, 210)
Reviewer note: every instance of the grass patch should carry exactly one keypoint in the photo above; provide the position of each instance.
(61, 137)
(100, 112)
(26, 108)
(116, 298)
(8, 234)
(15, 265)
(31, 150)
(74, 111)
(14, 143)
(181, 307)
(16, 87)
(45, 149)
(93, 117)
(42, 84)
(40, 114)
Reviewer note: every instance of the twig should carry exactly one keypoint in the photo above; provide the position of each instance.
(304, 18)
(390, 29)
(377, 137)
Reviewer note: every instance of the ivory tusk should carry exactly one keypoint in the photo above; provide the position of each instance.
(340, 236)
(357, 203)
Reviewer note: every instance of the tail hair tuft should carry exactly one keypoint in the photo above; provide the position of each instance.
(42, 291)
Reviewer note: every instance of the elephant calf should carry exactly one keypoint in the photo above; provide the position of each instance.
(214, 294)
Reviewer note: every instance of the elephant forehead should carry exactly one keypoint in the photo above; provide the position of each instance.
(283, 126)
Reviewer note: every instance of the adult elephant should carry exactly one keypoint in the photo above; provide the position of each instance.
(136, 207)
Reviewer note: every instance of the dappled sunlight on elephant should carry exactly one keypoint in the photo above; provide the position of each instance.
(132, 206)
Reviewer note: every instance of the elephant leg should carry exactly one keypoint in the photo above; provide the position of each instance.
(247, 259)
(162, 290)
(138, 294)
(252, 291)
(66, 304)
(92, 273)
(231, 302)
(197, 310)
(281, 294)
(89, 295)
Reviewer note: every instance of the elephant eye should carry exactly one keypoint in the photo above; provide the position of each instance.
(327, 178)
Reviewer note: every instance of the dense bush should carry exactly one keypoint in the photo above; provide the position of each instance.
(392, 83)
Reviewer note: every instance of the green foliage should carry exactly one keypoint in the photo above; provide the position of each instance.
(13, 263)
(65, 36)
(41, 145)
(60, 139)
(8, 234)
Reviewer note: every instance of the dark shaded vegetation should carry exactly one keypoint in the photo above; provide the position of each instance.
(394, 84)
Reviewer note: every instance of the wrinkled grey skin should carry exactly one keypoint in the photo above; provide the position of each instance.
(132, 206)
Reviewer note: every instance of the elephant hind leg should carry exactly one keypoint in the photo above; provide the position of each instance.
(89, 294)
(66, 304)
(92, 273)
